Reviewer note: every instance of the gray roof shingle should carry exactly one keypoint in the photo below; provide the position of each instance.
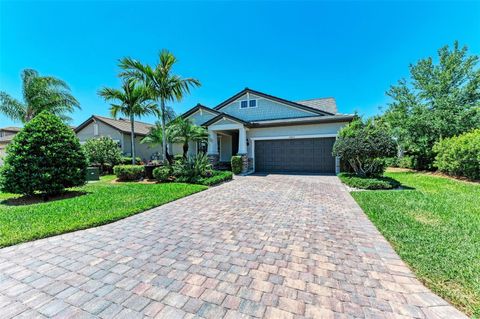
(327, 104)
(123, 125)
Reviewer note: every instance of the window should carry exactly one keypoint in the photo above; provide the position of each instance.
(252, 103)
(202, 147)
(248, 103)
(243, 104)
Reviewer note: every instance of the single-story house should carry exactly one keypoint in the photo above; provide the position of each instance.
(6, 136)
(271, 134)
(119, 130)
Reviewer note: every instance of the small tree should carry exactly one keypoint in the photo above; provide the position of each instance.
(364, 146)
(103, 152)
(45, 156)
(183, 131)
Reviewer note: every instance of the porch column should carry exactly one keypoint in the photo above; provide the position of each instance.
(212, 143)
(242, 140)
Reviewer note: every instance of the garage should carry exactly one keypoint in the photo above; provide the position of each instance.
(303, 155)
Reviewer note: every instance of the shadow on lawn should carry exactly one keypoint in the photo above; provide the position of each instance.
(36, 199)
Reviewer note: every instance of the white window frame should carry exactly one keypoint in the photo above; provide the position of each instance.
(248, 103)
(240, 104)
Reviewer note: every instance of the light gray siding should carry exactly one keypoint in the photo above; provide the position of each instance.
(201, 116)
(103, 130)
(144, 151)
(265, 110)
(225, 148)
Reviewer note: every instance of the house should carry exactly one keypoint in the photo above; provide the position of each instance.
(119, 130)
(271, 134)
(6, 136)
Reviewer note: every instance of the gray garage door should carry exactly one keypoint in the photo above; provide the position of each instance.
(309, 155)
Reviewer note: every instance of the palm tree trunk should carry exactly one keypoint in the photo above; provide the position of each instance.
(164, 134)
(185, 150)
(132, 135)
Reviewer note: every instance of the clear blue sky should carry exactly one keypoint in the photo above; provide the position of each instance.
(295, 50)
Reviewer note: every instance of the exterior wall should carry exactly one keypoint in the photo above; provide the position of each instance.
(200, 117)
(225, 148)
(265, 110)
(290, 131)
(103, 130)
(2, 152)
(144, 151)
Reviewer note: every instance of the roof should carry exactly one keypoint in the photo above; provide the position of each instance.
(327, 104)
(123, 125)
(304, 120)
(227, 116)
(198, 107)
(274, 98)
(11, 129)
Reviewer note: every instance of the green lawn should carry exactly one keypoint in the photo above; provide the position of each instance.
(96, 204)
(435, 228)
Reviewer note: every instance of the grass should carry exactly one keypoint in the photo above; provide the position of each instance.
(92, 205)
(435, 228)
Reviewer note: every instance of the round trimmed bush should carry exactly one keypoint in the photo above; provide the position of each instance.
(162, 174)
(45, 157)
(129, 172)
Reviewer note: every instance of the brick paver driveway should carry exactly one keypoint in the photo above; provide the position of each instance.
(260, 246)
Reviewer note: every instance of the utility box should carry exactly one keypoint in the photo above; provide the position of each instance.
(93, 174)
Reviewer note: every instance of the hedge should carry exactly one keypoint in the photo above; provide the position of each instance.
(355, 181)
(237, 164)
(163, 173)
(129, 172)
(216, 178)
(459, 155)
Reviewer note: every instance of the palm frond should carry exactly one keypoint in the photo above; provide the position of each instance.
(11, 107)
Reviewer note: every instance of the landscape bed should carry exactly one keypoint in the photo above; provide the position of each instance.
(434, 227)
(83, 207)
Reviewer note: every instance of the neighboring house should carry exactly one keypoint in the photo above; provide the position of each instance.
(119, 131)
(6, 136)
(270, 133)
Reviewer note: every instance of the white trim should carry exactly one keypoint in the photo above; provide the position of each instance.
(203, 109)
(291, 137)
(222, 127)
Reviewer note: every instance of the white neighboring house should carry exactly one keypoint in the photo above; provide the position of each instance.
(6, 136)
(119, 131)
(270, 133)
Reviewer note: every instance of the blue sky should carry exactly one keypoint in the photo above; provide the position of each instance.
(295, 50)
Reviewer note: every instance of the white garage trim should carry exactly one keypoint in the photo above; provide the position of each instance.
(290, 137)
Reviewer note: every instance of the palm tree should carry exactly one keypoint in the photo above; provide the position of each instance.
(165, 86)
(184, 131)
(132, 100)
(40, 93)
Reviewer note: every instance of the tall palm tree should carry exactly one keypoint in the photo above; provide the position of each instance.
(40, 93)
(184, 131)
(166, 86)
(132, 100)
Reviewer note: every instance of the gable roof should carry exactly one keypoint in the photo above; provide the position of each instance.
(11, 129)
(198, 107)
(123, 125)
(224, 115)
(274, 98)
(327, 104)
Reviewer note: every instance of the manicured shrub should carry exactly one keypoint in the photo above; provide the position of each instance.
(459, 155)
(217, 177)
(127, 160)
(364, 146)
(406, 161)
(237, 164)
(129, 172)
(355, 181)
(391, 161)
(45, 156)
(103, 152)
(163, 173)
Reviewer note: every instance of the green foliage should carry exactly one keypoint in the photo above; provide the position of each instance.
(433, 225)
(459, 155)
(192, 169)
(163, 173)
(40, 93)
(45, 156)
(355, 181)
(127, 160)
(129, 172)
(216, 177)
(364, 146)
(406, 161)
(91, 205)
(391, 161)
(102, 152)
(183, 131)
(439, 101)
(237, 164)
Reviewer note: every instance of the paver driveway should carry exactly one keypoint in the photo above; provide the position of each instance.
(261, 246)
